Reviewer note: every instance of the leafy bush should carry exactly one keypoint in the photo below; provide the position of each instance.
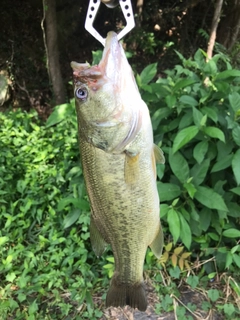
(195, 113)
(46, 267)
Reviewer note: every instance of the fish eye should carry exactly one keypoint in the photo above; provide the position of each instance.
(81, 93)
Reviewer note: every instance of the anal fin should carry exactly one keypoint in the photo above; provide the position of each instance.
(97, 241)
(157, 244)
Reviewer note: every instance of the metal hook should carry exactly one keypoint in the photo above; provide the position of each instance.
(93, 8)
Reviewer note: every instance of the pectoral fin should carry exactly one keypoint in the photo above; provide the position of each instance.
(131, 168)
(158, 153)
(157, 244)
(97, 241)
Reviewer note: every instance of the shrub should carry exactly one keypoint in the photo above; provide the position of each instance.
(195, 113)
(46, 266)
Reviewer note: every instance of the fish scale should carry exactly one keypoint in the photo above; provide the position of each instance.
(118, 159)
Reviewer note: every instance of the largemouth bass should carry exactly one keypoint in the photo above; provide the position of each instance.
(119, 165)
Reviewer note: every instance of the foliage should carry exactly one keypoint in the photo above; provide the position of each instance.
(46, 266)
(195, 113)
(47, 263)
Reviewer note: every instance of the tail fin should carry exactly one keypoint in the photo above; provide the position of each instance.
(120, 295)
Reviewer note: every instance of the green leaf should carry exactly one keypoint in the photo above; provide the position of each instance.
(97, 56)
(190, 189)
(179, 166)
(188, 100)
(148, 73)
(199, 171)
(170, 101)
(236, 135)
(236, 166)
(205, 218)
(60, 113)
(231, 233)
(174, 224)
(236, 259)
(234, 209)
(182, 83)
(163, 209)
(234, 99)
(159, 115)
(209, 198)
(210, 67)
(200, 151)
(223, 163)
(212, 113)
(71, 218)
(10, 277)
(168, 191)
(213, 294)
(236, 190)
(3, 240)
(185, 232)
(21, 297)
(77, 203)
(184, 136)
(197, 116)
(186, 120)
(214, 133)
(227, 74)
(229, 260)
(33, 307)
(228, 309)
(193, 281)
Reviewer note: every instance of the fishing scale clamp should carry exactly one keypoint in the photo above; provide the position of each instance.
(93, 7)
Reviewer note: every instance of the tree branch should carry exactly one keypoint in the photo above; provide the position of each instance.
(214, 26)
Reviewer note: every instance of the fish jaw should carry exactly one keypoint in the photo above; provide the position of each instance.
(115, 66)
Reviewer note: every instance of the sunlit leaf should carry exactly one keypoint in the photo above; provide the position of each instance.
(214, 132)
(183, 137)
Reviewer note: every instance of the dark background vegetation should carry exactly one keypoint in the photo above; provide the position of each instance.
(159, 23)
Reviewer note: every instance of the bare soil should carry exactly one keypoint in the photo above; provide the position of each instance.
(187, 295)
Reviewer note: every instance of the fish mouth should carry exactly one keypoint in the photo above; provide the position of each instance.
(113, 58)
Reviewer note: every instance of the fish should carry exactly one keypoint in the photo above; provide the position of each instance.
(118, 158)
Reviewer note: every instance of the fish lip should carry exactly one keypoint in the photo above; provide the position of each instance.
(112, 58)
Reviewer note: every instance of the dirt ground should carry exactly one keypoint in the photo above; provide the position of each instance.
(187, 295)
